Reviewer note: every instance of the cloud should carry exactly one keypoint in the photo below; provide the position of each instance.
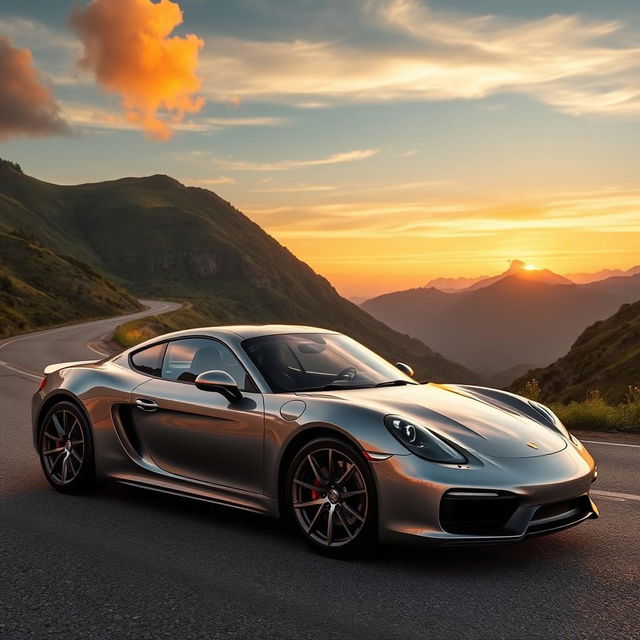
(208, 182)
(27, 107)
(596, 212)
(301, 188)
(93, 117)
(282, 165)
(53, 50)
(405, 50)
(127, 46)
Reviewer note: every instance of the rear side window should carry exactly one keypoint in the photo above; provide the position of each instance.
(149, 360)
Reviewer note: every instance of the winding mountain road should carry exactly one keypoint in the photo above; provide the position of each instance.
(124, 563)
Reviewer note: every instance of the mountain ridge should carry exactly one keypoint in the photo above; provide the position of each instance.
(604, 358)
(512, 321)
(155, 236)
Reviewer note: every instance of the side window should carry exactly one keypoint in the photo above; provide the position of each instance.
(186, 359)
(149, 360)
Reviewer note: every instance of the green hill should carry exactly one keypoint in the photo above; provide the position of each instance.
(39, 288)
(606, 357)
(160, 238)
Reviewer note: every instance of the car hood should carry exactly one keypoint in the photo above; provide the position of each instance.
(480, 424)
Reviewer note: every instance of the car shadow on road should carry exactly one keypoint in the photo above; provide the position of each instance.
(243, 528)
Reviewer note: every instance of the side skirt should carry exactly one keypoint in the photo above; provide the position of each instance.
(246, 502)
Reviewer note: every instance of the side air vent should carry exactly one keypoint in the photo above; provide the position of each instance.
(126, 427)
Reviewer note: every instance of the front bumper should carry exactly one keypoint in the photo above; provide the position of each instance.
(487, 501)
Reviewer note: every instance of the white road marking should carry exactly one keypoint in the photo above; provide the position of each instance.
(615, 494)
(94, 323)
(100, 353)
(612, 444)
(22, 372)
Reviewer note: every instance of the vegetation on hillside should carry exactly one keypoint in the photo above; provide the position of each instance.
(7, 164)
(39, 288)
(593, 413)
(605, 359)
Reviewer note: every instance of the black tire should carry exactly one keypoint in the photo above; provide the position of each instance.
(346, 507)
(65, 446)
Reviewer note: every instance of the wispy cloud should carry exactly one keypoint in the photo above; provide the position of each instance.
(54, 51)
(227, 123)
(578, 65)
(208, 182)
(92, 116)
(282, 165)
(303, 188)
(607, 211)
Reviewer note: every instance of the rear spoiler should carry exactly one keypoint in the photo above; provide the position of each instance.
(52, 368)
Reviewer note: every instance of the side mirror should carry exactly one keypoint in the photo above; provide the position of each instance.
(220, 382)
(405, 368)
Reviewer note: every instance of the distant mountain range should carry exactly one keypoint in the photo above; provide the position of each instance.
(606, 357)
(156, 237)
(453, 285)
(522, 316)
(524, 272)
(586, 278)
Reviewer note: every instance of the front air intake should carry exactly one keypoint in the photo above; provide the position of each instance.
(477, 512)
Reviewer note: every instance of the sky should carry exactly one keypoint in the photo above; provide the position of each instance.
(384, 142)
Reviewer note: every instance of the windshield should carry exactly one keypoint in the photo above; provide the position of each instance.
(319, 361)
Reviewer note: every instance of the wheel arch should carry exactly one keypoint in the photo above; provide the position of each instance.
(299, 440)
(59, 395)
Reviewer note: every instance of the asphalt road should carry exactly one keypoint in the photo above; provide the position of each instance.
(124, 563)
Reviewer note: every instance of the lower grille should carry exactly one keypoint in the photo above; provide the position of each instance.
(477, 512)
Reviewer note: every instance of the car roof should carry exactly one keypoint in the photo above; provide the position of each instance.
(250, 330)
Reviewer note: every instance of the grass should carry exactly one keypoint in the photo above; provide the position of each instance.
(40, 288)
(593, 413)
(597, 415)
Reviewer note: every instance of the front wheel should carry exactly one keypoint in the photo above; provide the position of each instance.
(66, 449)
(331, 497)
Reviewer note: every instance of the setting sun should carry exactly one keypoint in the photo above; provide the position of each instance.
(531, 267)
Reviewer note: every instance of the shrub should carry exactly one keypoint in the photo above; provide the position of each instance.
(594, 414)
(128, 334)
(531, 390)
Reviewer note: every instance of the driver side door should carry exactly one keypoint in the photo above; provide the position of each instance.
(199, 434)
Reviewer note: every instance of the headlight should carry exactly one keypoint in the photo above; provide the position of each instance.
(552, 419)
(422, 442)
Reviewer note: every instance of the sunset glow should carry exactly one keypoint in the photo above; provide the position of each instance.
(469, 138)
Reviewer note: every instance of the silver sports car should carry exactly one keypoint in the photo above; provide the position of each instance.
(308, 424)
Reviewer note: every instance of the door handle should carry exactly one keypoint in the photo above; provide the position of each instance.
(146, 405)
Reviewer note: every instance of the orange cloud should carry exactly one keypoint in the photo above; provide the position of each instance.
(128, 48)
(26, 105)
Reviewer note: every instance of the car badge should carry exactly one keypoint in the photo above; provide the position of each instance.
(533, 445)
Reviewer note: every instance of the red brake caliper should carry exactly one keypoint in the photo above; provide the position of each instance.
(315, 494)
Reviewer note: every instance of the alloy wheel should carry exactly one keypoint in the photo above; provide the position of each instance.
(330, 498)
(63, 447)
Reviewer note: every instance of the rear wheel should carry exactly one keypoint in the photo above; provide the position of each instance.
(66, 449)
(331, 497)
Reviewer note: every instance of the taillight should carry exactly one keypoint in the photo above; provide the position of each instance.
(43, 384)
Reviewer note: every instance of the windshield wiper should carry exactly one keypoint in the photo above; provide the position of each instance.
(393, 383)
(335, 387)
